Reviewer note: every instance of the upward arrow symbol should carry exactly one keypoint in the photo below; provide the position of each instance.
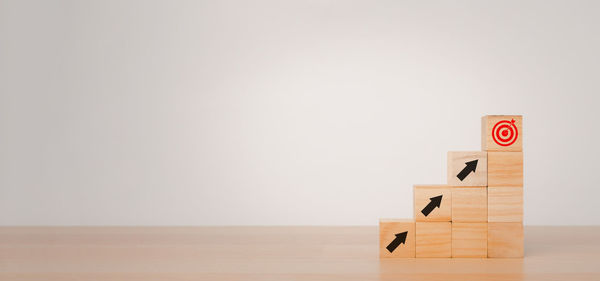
(435, 202)
(400, 239)
(471, 166)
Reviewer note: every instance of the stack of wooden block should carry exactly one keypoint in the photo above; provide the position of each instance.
(478, 213)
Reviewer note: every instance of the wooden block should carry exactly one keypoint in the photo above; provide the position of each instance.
(434, 240)
(467, 168)
(396, 238)
(432, 202)
(469, 239)
(505, 169)
(469, 204)
(505, 239)
(502, 133)
(505, 204)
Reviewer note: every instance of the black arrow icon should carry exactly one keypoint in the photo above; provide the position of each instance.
(400, 239)
(471, 166)
(435, 202)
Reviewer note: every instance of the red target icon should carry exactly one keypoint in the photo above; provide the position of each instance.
(505, 132)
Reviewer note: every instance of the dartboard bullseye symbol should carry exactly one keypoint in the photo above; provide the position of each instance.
(505, 132)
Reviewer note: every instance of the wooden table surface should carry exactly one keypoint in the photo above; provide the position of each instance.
(273, 253)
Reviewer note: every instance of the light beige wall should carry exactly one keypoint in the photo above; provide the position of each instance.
(286, 112)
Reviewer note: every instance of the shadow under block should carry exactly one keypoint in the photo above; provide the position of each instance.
(393, 242)
(467, 168)
(502, 133)
(469, 239)
(505, 169)
(505, 239)
(505, 204)
(469, 204)
(434, 240)
(432, 203)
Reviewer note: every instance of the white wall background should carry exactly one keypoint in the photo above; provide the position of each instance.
(286, 112)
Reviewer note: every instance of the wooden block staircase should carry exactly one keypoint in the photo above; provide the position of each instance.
(478, 213)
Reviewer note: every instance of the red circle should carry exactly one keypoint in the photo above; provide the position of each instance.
(504, 128)
(509, 133)
(500, 139)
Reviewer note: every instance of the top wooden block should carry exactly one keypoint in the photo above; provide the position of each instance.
(502, 133)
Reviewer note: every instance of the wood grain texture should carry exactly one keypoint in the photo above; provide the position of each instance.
(469, 239)
(273, 253)
(487, 125)
(505, 169)
(434, 240)
(388, 228)
(505, 240)
(469, 204)
(456, 163)
(505, 204)
(422, 197)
